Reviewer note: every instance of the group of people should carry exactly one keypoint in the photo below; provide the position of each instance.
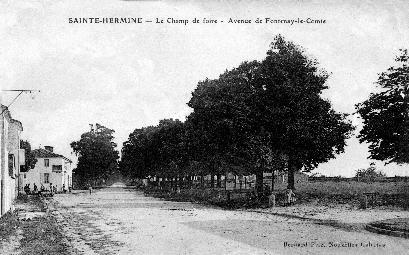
(52, 189)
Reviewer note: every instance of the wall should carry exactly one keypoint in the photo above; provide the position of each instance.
(7, 191)
(13, 147)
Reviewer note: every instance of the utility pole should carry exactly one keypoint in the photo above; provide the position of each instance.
(30, 91)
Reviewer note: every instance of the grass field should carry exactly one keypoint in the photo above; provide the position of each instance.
(351, 192)
(323, 188)
(319, 192)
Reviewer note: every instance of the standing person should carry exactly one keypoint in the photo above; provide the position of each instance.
(40, 193)
(63, 188)
(51, 187)
(35, 188)
(290, 196)
(90, 189)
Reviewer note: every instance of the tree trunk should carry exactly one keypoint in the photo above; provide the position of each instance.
(219, 181)
(272, 180)
(190, 181)
(259, 181)
(290, 176)
(212, 181)
(180, 182)
(225, 181)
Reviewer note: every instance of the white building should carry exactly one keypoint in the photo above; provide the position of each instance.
(11, 157)
(51, 168)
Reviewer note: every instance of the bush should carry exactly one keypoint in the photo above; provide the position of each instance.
(370, 174)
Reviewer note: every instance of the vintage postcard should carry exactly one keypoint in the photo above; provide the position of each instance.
(204, 127)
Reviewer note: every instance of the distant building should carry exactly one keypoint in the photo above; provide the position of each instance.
(51, 168)
(11, 157)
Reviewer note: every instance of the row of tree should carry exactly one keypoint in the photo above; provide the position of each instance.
(257, 117)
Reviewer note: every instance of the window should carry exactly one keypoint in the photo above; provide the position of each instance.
(46, 162)
(11, 165)
(57, 168)
(46, 178)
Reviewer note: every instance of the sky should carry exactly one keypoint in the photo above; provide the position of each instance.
(126, 76)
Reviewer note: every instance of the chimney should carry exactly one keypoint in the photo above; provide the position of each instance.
(49, 148)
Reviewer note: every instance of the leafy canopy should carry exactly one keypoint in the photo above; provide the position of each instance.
(97, 155)
(301, 123)
(30, 159)
(274, 105)
(155, 150)
(255, 117)
(385, 114)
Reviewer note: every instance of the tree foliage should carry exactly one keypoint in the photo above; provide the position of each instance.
(302, 124)
(30, 159)
(158, 150)
(97, 155)
(219, 121)
(259, 116)
(385, 115)
(369, 174)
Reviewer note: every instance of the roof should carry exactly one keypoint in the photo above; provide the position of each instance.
(43, 153)
(5, 110)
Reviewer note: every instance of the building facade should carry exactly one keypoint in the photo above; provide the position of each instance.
(51, 169)
(11, 158)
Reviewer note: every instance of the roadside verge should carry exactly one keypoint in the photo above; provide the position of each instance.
(392, 227)
(31, 229)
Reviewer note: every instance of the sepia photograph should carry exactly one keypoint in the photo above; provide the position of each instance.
(204, 127)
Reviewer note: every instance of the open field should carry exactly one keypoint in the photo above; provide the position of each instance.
(351, 187)
(390, 194)
(351, 192)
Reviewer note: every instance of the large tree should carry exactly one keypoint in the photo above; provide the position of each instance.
(134, 161)
(290, 108)
(385, 114)
(269, 110)
(156, 151)
(219, 122)
(97, 155)
(30, 159)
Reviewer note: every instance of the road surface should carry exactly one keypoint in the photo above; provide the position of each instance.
(123, 221)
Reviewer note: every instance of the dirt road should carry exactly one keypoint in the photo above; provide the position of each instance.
(123, 221)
